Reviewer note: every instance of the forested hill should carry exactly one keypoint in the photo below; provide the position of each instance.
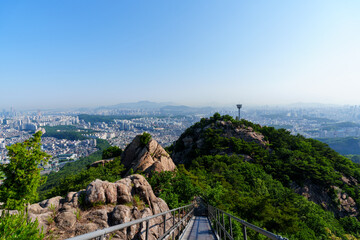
(56, 179)
(345, 145)
(287, 184)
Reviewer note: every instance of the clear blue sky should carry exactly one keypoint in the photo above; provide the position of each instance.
(66, 53)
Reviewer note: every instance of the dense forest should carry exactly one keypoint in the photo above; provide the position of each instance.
(68, 132)
(104, 118)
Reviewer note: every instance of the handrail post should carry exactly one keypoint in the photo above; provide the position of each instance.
(244, 232)
(147, 230)
(164, 217)
(216, 223)
(173, 234)
(224, 230)
(231, 231)
(218, 219)
(179, 221)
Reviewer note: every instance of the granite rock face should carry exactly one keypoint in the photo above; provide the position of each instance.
(320, 195)
(146, 158)
(102, 204)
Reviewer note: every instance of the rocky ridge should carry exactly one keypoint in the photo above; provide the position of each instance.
(146, 158)
(100, 205)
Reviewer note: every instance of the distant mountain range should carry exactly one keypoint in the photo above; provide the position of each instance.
(163, 107)
(139, 105)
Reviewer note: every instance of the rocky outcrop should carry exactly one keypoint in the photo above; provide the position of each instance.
(101, 162)
(146, 158)
(342, 204)
(195, 138)
(102, 204)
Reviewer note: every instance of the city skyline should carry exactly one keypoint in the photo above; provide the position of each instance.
(90, 53)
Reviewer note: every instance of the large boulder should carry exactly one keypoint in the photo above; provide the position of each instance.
(66, 220)
(102, 204)
(146, 157)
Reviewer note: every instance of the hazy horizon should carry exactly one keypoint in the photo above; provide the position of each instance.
(212, 105)
(73, 54)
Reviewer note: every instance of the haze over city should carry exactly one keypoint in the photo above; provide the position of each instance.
(57, 54)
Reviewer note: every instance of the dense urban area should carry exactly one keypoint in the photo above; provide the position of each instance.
(69, 135)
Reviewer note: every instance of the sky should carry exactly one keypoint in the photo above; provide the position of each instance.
(83, 53)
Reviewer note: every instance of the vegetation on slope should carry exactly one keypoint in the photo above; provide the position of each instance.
(111, 172)
(70, 169)
(176, 188)
(354, 158)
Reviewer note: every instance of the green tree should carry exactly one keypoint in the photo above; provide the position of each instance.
(111, 152)
(22, 173)
(145, 138)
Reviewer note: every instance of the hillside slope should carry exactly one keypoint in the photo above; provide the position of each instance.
(288, 184)
(54, 179)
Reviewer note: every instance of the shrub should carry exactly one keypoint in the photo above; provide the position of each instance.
(18, 226)
(145, 138)
(111, 152)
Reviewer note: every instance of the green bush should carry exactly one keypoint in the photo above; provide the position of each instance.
(18, 227)
(111, 152)
(175, 188)
(145, 138)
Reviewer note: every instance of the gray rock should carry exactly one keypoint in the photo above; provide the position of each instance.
(85, 228)
(65, 220)
(44, 219)
(120, 214)
(95, 192)
(55, 202)
(37, 209)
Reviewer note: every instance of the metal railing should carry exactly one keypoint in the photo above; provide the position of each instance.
(217, 218)
(183, 215)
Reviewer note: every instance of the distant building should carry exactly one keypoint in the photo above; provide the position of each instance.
(67, 156)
